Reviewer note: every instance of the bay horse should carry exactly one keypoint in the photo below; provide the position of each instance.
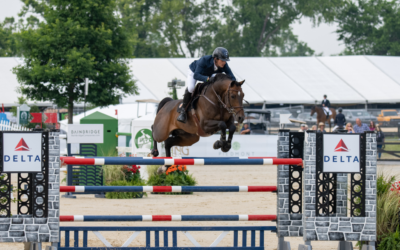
(220, 102)
(321, 116)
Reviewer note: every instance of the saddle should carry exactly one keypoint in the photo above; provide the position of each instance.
(198, 89)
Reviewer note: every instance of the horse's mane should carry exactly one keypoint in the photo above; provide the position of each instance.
(221, 77)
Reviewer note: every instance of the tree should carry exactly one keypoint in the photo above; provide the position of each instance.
(252, 27)
(370, 27)
(170, 28)
(287, 44)
(21, 100)
(8, 41)
(78, 39)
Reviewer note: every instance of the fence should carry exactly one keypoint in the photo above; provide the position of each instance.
(8, 126)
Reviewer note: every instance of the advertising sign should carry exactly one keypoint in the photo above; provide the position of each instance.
(341, 153)
(242, 146)
(22, 152)
(23, 114)
(142, 140)
(85, 133)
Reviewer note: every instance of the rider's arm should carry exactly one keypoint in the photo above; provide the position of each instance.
(228, 71)
(201, 64)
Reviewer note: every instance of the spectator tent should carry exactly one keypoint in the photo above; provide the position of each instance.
(286, 80)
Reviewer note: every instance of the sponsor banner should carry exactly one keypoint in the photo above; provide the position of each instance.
(142, 139)
(22, 152)
(341, 153)
(85, 133)
(242, 146)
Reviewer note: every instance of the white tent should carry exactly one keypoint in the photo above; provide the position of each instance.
(126, 113)
(274, 80)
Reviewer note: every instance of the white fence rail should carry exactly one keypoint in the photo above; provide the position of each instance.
(8, 126)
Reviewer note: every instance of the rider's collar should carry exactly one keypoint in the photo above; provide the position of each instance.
(215, 67)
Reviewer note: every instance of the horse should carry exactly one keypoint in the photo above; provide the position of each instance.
(321, 116)
(219, 104)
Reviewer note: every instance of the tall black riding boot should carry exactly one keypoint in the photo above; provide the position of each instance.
(186, 99)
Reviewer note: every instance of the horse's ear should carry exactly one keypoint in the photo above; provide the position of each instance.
(233, 83)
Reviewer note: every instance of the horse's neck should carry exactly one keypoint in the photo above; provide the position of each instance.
(220, 87)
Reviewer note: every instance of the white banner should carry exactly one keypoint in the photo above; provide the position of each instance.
(22, 152)
(85, 133)
(341, 153)
(242, 146)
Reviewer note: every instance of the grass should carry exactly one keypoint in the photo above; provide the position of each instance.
(393, 147)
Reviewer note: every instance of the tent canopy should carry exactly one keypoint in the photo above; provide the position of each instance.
(274, 80)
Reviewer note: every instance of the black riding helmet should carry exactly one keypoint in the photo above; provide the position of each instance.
(221, 54)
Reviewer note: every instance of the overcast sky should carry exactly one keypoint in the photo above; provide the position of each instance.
(321, 39)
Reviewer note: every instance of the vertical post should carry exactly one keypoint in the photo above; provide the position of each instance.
(86, 93)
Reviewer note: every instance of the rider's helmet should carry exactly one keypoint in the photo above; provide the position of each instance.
(340, 110)
(221, 54)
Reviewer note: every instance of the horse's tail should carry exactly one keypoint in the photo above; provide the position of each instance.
(154, 150)
(163, 102)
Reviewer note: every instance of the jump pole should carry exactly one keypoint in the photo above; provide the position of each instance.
(161, 189)
(243, 217)
(204, 161)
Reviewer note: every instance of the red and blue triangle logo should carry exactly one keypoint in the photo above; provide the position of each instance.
(22, 146)
(341, 147)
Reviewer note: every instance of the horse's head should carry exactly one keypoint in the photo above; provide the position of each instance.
(312, 110)
(233, 98)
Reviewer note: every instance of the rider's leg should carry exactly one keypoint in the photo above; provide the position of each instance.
(190, 83)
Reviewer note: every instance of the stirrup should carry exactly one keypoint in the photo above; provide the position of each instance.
(182, 117)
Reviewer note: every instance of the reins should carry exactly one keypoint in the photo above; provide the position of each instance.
(230, 109)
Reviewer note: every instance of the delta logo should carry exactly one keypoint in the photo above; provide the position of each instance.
(22, 146)
(341, 148)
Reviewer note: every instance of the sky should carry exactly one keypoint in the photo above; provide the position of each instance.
(321, 39)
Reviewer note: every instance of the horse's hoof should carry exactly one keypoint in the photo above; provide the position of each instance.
(217, 145)
(226, 149)
(162, 169)
(154, 152)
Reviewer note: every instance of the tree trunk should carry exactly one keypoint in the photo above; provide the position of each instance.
(70, 111)
(71, 104)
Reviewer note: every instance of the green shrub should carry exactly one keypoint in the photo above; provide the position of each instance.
(391, 241)
(384, 183)
(176, 178)
(126, 195)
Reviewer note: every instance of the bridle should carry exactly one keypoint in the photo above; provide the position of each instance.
(231, 109)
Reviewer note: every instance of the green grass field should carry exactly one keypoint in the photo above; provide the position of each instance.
(391, 147)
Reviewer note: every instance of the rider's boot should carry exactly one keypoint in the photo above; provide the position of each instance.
(186, 98)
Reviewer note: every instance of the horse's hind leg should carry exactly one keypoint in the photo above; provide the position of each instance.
(154, 151)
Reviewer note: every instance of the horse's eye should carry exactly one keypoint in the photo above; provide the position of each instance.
(233, 97)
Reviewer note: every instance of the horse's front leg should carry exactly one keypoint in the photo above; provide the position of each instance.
(212, 125)
(227, 146)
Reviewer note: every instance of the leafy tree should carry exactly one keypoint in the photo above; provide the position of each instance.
(252, 27)
(170, 28)
(8, 41)
(370, 27)
(78, 39)
(287, 44)
(138, 18)
(21, 100)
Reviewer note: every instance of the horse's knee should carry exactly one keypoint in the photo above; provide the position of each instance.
(222, 125)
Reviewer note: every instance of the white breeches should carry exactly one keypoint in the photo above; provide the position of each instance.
(190, 81)
(327, 110)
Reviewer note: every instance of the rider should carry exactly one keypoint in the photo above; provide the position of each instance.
(340, 120)
(203, 70)
(326, 106)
